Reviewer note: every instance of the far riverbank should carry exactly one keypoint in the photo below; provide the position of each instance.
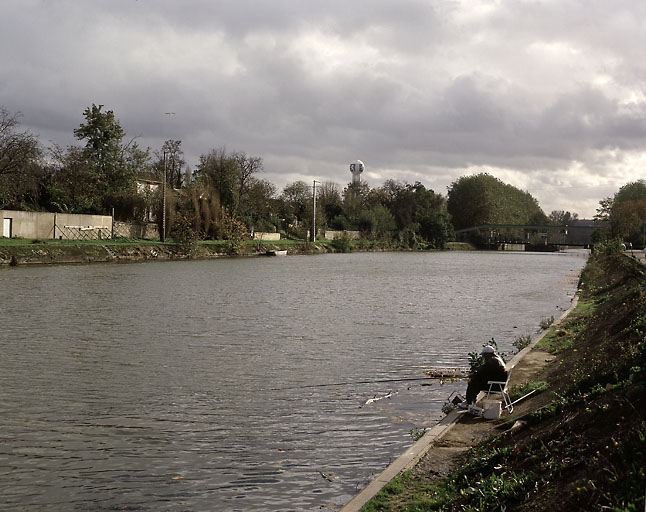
(45, 252)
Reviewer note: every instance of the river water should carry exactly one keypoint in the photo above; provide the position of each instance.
(241, 384)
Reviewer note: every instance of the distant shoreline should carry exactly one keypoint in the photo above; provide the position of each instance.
(46, 252)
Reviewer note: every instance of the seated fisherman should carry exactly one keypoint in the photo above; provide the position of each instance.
(493, 368)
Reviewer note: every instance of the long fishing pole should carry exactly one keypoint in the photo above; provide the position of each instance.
(379, 381)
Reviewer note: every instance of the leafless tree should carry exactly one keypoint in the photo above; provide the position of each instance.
(21, 168)
(247, 167)
(174, 162)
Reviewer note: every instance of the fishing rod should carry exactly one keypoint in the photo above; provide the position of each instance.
(378, 381)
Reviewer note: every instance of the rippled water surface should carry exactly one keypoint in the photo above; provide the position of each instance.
(206, 386)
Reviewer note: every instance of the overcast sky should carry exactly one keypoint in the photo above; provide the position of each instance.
(549, 96)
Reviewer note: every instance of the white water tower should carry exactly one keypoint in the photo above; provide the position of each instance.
(356, 168)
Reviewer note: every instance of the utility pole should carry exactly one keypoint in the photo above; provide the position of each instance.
(163, 234)
(313, 234)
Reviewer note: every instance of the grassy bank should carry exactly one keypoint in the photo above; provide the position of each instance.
(16, 251)
(582, 443)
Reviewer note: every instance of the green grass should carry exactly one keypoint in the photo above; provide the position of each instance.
(479, 485)
(563, 336)
(515, 392)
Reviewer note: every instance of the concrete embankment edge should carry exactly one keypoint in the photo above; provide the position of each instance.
(413, 454)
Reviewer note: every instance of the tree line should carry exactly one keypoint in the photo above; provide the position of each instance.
(224, 196)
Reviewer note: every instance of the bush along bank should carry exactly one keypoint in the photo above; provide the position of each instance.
(581, 443)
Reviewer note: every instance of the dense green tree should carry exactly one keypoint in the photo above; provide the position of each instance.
(355, 200)
(421, 215)
(107, 166)
(128, 203)
(330, 202)
(257, 207)
(74, 184)
(103, 135)
(628, 221)
(624, 215)
(386, 195)
(297, 201)
(101, 175)
(435, 227)
(633, 191)
(21, 165)
(412, 201)
(483, 199)
(377, 223)
(603, 211)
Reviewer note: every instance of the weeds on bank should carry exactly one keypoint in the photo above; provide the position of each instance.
(343, 243)
(563, 465)
(546, 323)
(448, 407)
(563, 336)
(516, 392)
(417, 433)
(480, 484)
(521, 342)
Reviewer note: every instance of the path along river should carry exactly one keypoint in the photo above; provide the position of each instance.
(192, 385)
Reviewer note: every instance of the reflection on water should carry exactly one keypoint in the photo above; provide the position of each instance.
(196, 385)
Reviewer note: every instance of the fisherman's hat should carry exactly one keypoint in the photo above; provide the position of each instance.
(488, 350)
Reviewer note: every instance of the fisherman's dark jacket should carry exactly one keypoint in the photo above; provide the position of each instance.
(492, 369)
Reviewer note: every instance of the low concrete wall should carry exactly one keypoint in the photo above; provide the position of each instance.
(139, 230)
(511, 247)
(54, 225)
(26, 224)
(79, 226)
(269, 237)
(331, 235)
